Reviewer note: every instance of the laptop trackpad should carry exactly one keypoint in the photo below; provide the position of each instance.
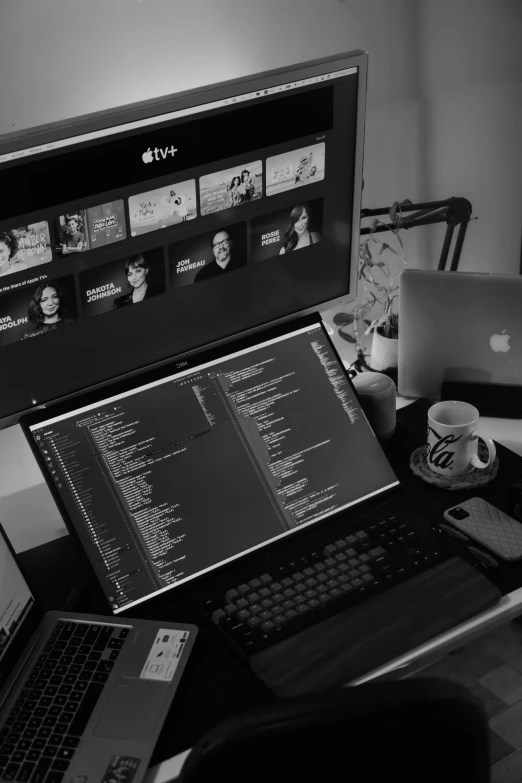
(133, 709)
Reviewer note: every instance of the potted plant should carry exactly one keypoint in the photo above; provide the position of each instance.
(380, 286)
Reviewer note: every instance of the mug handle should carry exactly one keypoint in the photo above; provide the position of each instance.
(492, 452)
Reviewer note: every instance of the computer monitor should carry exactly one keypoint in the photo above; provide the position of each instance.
(219, 211)
(169, 476)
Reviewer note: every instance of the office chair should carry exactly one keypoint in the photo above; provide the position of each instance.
(422, 730)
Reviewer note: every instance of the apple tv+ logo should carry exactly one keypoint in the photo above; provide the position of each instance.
(158, 153)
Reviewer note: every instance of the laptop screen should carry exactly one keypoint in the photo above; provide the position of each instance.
(170, 479)
(16, 599)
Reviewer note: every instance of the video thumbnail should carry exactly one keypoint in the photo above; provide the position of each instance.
(71, 233)
(208, 256)
(124, 282)
(24, 247)
(162, 207)
(295, 168)
(106, 223)
(33, 310)
(231, 187)
(287, 230)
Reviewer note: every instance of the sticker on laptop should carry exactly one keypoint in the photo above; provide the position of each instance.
(121, 770)
(164, 655)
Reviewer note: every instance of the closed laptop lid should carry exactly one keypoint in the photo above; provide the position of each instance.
(165, 479)
(458, 326)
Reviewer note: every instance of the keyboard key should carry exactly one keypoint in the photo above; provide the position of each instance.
(103, 638)
(11, 771)
(105, 666)
(81, 718)
(65, 753)
(26, 771)
(40, 770)
(54, 776)
(70, 742)
(92, 634)
(59, 764)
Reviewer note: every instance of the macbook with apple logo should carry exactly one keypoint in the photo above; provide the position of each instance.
(458, 327)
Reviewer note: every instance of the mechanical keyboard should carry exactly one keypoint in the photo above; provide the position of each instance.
(291, 596)
(42, 731)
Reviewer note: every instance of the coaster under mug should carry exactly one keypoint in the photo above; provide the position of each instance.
(476, 478)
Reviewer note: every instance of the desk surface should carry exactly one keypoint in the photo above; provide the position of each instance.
(213, 672)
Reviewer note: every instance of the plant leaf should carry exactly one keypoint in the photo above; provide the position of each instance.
(343, 319)
(346, 336)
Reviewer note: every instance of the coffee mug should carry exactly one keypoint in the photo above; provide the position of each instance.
(453, 439)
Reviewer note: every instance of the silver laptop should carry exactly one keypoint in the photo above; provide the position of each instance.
(82, 697)
(458, 326)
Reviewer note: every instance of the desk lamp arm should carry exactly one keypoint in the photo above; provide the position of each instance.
(453, 211)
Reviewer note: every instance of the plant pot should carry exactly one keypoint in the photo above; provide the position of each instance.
(384, 352)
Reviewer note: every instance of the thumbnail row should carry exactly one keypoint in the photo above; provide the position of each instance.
(24, 247)
(39, 305)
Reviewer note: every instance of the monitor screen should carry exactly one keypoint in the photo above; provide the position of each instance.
(166, 481)
(217, 211)
(16, 599)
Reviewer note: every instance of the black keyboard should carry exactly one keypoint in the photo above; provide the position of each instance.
(44, 728)
(292, 596)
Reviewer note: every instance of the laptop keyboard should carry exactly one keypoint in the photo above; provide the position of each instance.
(44, 728)
(292, 596)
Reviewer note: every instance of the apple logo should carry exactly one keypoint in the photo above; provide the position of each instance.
(500, 342)
(147, 157)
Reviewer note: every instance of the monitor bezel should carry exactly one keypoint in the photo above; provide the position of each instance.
(156, 107)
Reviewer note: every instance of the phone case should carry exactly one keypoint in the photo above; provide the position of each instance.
(488, 525)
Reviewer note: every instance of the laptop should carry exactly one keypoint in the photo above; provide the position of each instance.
(458, 327)
(215, 478)
(82, 697)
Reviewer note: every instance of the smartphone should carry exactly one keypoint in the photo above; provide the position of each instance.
(488, 525)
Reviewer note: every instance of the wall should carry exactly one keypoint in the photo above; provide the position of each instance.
(470, 121)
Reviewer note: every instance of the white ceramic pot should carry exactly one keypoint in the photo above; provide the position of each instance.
(384, 352)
